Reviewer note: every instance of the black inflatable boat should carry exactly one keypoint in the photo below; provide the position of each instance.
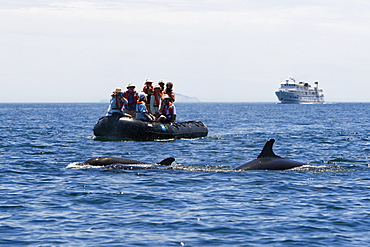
(128, 128)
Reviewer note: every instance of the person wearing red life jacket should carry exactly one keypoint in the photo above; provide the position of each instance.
(155, 100)
(132, 97)
(141, 110)
(169, 91)
(167, 111)
(117, 104)
(148, 90)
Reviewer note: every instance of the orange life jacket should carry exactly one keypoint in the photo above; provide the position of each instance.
(168, 110)
(170, 93)
(118, 101)
(146, 89)
(127, 96)
(157, 98)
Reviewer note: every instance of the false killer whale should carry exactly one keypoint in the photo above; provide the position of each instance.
(125, 164)
(267, 160)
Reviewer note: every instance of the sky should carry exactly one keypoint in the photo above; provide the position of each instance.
(215, 50)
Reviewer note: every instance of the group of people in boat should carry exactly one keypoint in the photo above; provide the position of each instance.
(153, 103)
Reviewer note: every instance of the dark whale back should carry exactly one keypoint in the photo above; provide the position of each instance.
(268, 160)
(105, 161)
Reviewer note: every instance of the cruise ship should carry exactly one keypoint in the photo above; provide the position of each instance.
(292, 92)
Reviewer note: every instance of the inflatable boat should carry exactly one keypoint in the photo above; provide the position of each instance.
(114, 127)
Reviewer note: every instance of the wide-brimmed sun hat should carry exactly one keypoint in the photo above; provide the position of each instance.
(118, 90)
(131, 85)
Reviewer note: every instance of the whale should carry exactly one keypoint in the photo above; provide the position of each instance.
(267, 160)
(125, 164)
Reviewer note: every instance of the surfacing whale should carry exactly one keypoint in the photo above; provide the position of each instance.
(267, 160)
(125, 164)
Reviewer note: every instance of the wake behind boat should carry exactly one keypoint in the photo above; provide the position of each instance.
(291, 92)
(114, 127)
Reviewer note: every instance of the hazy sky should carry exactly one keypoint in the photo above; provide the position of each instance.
(215, 50)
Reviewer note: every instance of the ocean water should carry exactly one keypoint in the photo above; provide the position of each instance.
(46, 201)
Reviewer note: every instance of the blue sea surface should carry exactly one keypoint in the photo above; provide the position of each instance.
(47, 201)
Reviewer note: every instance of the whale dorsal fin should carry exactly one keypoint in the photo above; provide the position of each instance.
(267, 150)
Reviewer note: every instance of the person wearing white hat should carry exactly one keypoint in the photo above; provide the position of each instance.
(117, 103)
(141, 110)
(148, 87)
(167, 110)
(132, 97)
(148, 90)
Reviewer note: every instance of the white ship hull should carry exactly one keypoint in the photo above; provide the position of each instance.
(291, 92)
(293, 98)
